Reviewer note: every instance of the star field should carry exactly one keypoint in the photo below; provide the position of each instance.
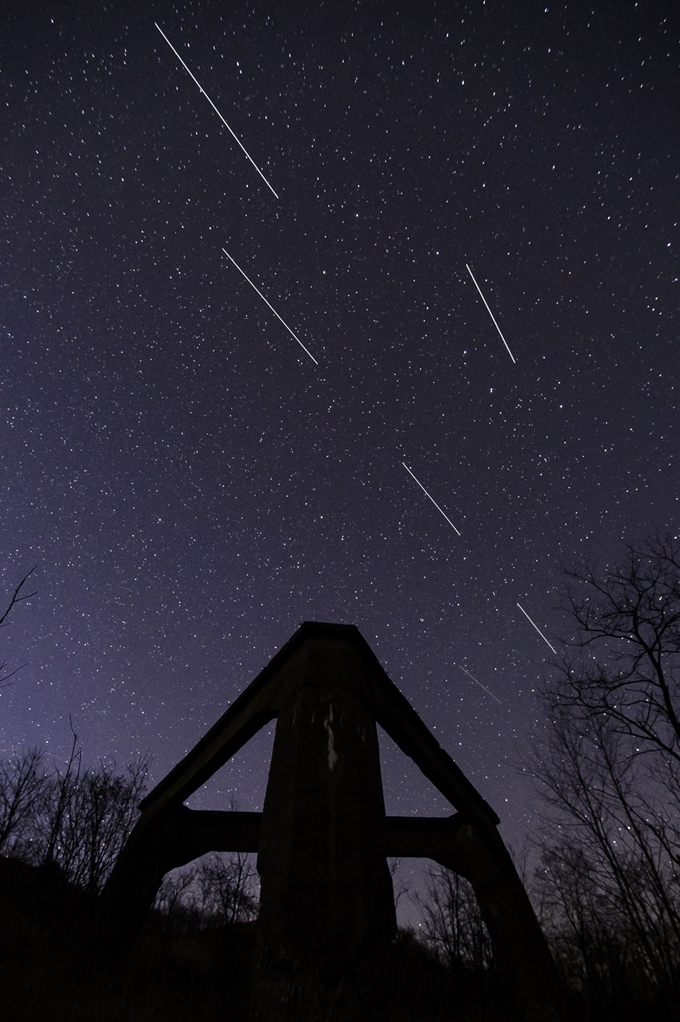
(193, 486)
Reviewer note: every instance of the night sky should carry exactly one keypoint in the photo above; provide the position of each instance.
(193, 486)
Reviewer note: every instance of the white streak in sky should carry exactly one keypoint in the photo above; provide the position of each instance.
(270, 306)
(490, 312)
(479, 683)
(431, 498)
(537, 628)
(215, 109)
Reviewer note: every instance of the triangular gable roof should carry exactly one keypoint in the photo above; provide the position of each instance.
(261, 701)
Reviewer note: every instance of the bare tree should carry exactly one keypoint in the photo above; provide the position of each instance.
(591, 938)
(101, 807)
(609, 766)
(176, 901)
(400, 884)
(628, 637)
(218, 890)
(452, 923)
(24, 785)
(74, 820)
(51, 824)
(17, 597)
(227, 884)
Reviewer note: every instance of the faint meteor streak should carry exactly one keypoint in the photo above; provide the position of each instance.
(270, 306)
(479, 683)
(431, 498)
(215, 108)
(537, 628)
(490, 312)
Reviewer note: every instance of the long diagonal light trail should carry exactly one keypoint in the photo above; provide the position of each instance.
(233, 133)
(255, 288)
(479, 683)
(537, 628)
(431, 498)
(490, 312)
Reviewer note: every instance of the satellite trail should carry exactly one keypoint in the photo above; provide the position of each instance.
(431, 498)
(215, 109)
(480, 684)
(270, 306)
(490, 312)
(537, 628)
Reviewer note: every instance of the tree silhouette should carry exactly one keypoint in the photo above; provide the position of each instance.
(74, 819)
(609, 767)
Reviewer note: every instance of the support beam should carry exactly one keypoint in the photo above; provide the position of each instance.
(169, 840)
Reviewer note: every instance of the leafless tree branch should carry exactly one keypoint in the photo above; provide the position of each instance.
(17, 597)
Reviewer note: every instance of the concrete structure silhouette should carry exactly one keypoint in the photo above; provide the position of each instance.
(327, 909)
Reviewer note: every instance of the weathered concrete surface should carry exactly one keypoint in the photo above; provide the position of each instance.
(326, 901)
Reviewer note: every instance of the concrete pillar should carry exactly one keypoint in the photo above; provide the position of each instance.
(327, 906)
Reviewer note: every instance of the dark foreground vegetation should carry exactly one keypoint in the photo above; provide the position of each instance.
(183, 968)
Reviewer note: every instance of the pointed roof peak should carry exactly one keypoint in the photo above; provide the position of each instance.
(276, 683)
